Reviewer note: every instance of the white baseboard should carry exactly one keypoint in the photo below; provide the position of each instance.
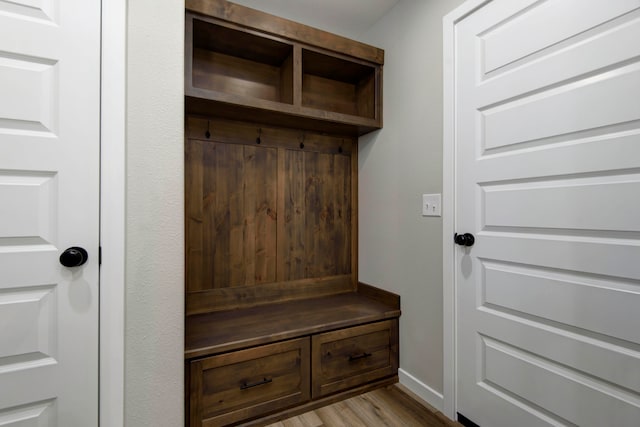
(421, 390)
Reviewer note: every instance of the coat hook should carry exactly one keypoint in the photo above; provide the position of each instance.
(302, 142)
(258, 140)
(207, 133)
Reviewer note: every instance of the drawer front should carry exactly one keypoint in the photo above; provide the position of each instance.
(244, 384)
(354, 356)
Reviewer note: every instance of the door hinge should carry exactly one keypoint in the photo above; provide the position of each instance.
(99, 255)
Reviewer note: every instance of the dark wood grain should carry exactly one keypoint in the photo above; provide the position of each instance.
(237, 297)
(240, 251)
(354, 215)
(221, 331)
(331, 95)
(240, 71)
(282, 27)
(297, 75)
(286, 79)
(194, 212)
(245, 384)
(221, 37)
(335, 66)
(385, 297)
(326, 213)
(293, 243)
(365, 98)
(349, 357)
(231, 209)
(246, 132)
(229, 74)
(205, 103)
(343, 237)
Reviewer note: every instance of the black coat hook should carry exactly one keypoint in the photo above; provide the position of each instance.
(207, 134)
(258, 140)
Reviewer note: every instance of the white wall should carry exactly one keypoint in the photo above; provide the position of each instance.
(154, 296)
(399, 249)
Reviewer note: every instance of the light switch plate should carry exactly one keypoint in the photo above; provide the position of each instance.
(431, 205)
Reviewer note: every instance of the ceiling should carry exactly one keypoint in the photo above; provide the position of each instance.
(349, 18)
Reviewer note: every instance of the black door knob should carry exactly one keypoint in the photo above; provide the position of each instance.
(74, 257)
(465, 239)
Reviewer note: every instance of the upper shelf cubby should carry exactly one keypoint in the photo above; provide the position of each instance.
(237, 62)
(244, 64)
(338, 85)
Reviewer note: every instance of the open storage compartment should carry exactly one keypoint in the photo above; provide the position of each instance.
(338, 85)
(240, 63)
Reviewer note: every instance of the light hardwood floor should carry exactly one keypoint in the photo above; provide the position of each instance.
(388, 406)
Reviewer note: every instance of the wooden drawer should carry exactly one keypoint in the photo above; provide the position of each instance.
(354, 356)
(244, 384)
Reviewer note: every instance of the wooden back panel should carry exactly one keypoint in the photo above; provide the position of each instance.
(269, 221)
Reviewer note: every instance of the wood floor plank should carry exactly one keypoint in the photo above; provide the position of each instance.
(311, 419)
(330, 416)
(384, 407)
(396, 410)
(374, 413)
(308, 419)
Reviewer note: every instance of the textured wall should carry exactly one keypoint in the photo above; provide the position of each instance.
(399, 249)
(154, 323)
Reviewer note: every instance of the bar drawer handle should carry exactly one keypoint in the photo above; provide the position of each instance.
(354, 357)
(245, 385)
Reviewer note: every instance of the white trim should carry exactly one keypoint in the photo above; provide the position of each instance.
(449, 290)
(421, 390)
(112, 212)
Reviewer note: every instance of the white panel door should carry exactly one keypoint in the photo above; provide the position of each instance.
(49, 194)
(548, 181)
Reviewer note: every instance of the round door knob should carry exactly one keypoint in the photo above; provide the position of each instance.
(74, 257)
(465, 239)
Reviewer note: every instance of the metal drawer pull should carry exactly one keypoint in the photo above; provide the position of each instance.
(354, 357)
(245, 385)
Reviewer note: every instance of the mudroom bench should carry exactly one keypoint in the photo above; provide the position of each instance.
(277, 322)
(263, 360)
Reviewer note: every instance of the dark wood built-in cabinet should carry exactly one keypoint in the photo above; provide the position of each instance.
(277, 321)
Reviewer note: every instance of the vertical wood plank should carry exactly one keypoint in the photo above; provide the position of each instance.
(286, 80)
(353, 215)
(297, 75)
(342, 234)
(195, 393)
(250, 233)
(295, 218)
(282, 242)
(235, 175)
(269, 213)
(266, 214)
(209, 195)
(312, 212)
(220, 224)
(194, 213)
(325, 261)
